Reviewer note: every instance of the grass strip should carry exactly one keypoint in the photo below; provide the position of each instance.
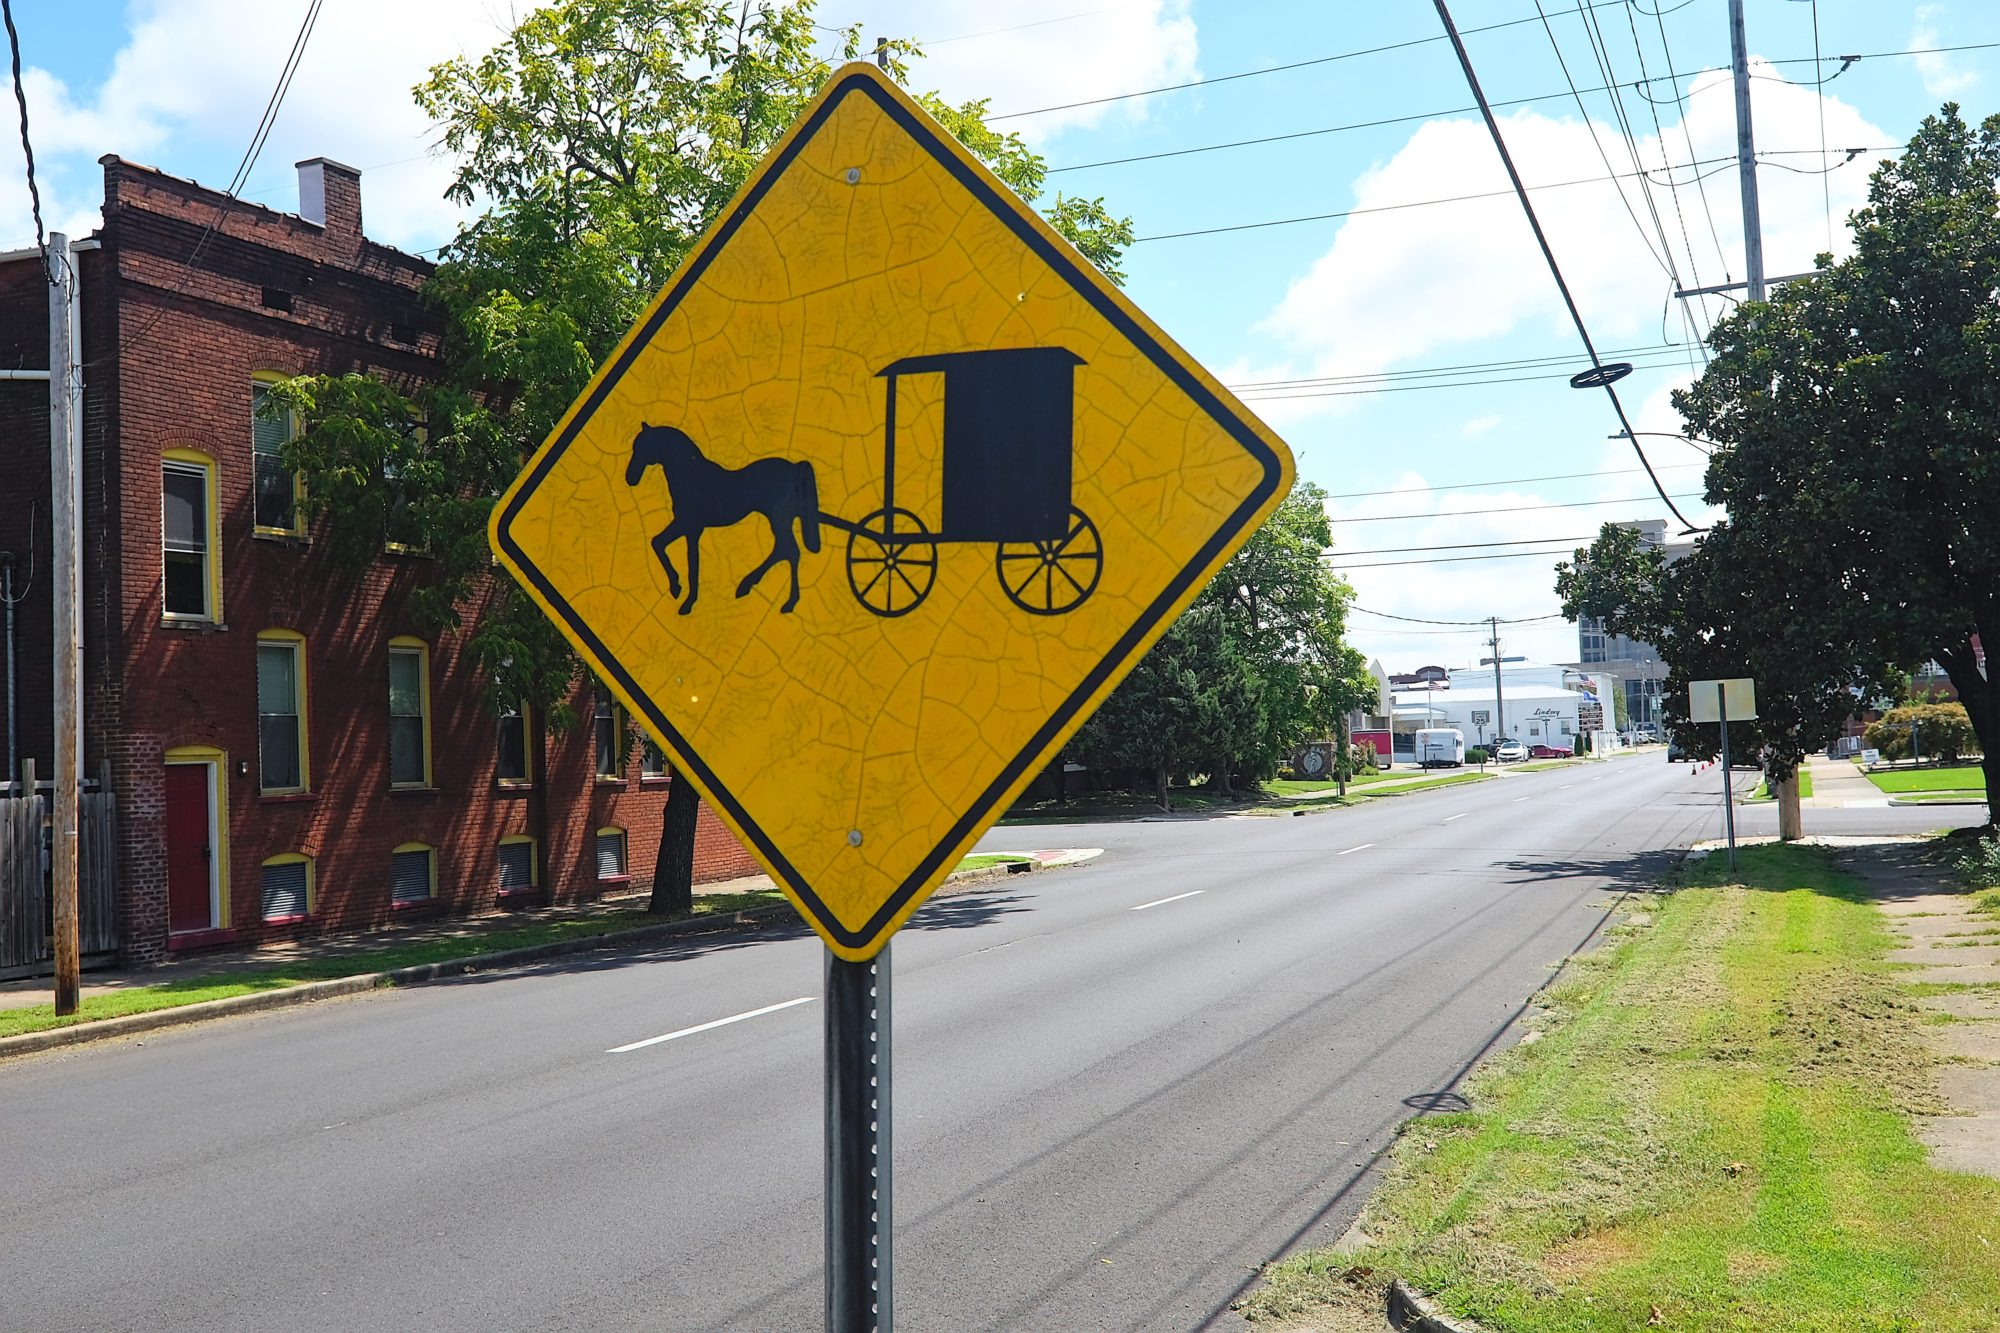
(1955, 777)
(248, 980)
(1764, 792)
(1713, 1133)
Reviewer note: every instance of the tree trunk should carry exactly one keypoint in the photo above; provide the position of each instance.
(1790, 824)
(1160, 787)
(1341, 750)
(673, 870)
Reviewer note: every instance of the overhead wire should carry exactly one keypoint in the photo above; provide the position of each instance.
(1819, 86)
(1446, 560)
(1469, 546)
(1555, 269)
(1502, 481)
(27, 145)
(258, 137)
(1468, 624)
(1515, 509)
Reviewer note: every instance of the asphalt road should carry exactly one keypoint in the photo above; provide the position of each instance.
(1118, 1090)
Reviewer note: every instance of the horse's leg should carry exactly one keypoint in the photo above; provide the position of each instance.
(667, 535)
(780, 538)
(694, 569)
(791, 554)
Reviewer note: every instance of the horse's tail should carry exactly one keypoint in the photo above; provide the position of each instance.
(809, 508)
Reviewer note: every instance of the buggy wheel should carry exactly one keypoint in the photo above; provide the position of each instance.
(1047, 578)
(891, 562)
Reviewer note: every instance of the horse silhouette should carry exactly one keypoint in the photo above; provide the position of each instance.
(707, 495)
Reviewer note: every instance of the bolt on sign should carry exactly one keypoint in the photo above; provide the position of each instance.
(877, 501)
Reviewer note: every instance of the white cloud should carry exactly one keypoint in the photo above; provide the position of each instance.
(1403, 285)
(1942, 76)
(191, 77)
(1478, 426)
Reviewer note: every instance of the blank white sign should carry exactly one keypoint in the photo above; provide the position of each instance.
(1706, 697)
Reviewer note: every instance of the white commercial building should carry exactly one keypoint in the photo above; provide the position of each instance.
(1535, 714)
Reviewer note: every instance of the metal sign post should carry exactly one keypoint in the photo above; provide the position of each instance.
(1728, 801)
(860, 1218)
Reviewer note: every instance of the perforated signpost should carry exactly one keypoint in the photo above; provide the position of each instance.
(873, 506)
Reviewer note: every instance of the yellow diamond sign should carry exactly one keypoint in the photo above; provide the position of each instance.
(877, 501)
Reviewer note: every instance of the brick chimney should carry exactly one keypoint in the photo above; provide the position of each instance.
(330, 195)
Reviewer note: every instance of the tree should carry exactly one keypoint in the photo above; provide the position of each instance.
(1255, 666)
(1855, 419)
(1943, 731)
(600, 139)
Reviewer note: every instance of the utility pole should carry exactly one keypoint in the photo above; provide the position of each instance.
(66, 495)
(1746, 156)
(1499, 703)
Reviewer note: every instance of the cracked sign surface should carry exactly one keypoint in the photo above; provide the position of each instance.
(994, 481)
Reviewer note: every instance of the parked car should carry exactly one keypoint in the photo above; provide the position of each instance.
(1675, 754)
(1543, 751)
(1509, 752)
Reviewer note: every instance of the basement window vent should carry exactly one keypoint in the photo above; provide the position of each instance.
(277, 298)
(405, 334)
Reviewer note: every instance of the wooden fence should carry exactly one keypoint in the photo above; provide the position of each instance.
(26, 914)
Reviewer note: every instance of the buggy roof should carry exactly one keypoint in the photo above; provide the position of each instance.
(986, 358)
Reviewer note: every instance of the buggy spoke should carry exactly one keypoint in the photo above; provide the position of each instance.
(907, 583)
(879, 576)
(1081, 591)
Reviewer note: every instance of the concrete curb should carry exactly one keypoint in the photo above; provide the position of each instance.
(1410, 1311)
(312, 991)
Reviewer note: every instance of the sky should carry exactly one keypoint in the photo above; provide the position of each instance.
(1363, 277)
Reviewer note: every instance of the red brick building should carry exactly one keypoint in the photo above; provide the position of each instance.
(289, 752)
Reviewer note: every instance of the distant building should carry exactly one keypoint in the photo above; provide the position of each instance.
(289, 753)
(1637, 666)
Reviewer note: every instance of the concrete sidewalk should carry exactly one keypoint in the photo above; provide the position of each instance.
(1837, 783)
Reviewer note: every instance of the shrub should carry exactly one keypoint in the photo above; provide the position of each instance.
(1943, 731)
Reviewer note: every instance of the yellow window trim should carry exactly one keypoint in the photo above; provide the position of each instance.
(210, 472)
(219, 760)
(298, 528)
(423, 651)
(290, 858)
(527, 753)
(304, 702)
(534, 861)
(431, 862)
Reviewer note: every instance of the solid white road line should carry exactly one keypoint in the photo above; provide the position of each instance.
(1351, 850)
(703, 1027)
(1176, 898)
(1519, 799)
(1460, 815)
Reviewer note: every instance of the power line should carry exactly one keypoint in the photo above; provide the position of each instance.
(1470, 546)
(251, 152)
(1509, 363)
(1555, 269)
(1517, 509)
(1479, 624)
(1825, 186)
(27, 148)
(1268, 397)
(1449, 560)
(1021, 27)
(1505, 481)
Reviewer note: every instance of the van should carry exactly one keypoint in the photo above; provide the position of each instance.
(1440, 747)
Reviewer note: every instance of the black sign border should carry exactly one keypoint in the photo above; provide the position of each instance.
(1061, 261)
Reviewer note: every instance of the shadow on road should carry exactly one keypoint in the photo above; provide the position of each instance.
(1636, 872)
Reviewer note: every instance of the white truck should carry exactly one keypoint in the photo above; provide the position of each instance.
(1440, 747)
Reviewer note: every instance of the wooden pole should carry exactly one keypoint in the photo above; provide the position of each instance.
(65, 494)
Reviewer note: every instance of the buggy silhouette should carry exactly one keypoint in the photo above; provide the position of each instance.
(1008, 423)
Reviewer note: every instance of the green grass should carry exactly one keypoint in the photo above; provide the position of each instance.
(1312, 786)
(1537, 765)
(248, 980)
(1974, 796)
(1764, 792)
(1715, 1127)
(986, 861)
(1958, 777)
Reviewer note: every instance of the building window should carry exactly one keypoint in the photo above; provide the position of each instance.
(287, 887)
(652, 760)
(517, 864)
(611, 854)
(188, 538)
(607, 720)
(515, 767)
(275, 493)
(412, 874)
(281, 712)
(409, 713)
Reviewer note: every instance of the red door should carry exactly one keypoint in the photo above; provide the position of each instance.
(188, 852)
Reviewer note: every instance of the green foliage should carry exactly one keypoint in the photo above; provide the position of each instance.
(1941, 731)
(601, 138)
(1854, 417)
(1253, 668)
